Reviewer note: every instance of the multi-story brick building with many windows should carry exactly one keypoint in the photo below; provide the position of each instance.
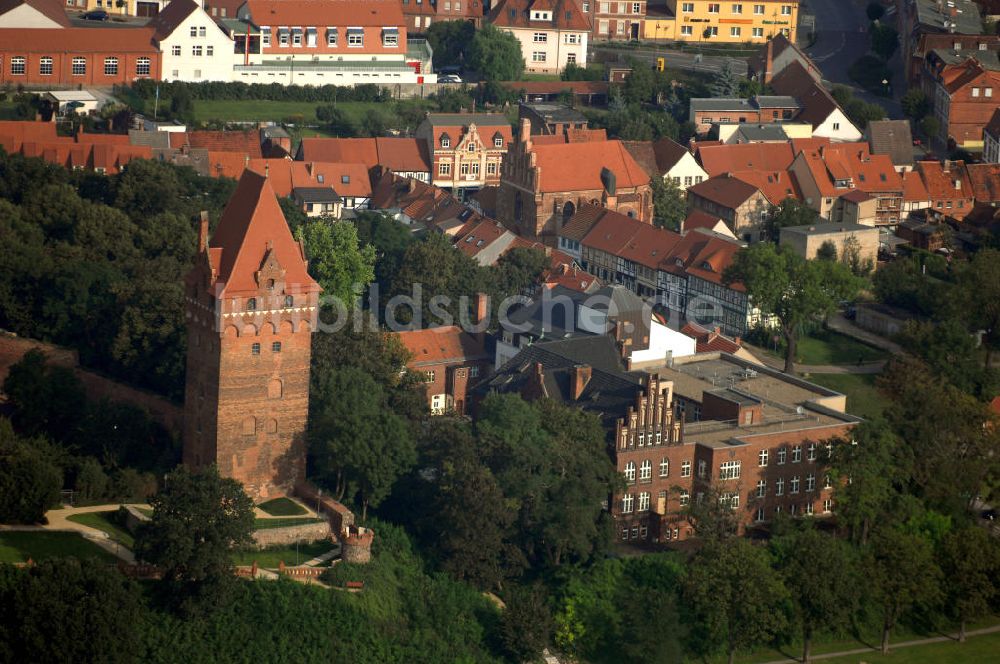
(553, 33)
(466, 149)
(251, 309)
(615, 20)
(708, 427)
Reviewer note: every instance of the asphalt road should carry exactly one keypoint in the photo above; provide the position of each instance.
(115, 22)
(679, 60)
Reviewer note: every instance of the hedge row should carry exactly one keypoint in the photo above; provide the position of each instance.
(237, 90)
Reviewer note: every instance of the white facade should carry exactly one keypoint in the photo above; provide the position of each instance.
(26, 16)
(664, 344)
(197, 50)
(548, 50)
(837, 127)
(686, 172)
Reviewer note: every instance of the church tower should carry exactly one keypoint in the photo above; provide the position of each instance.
(251, 309)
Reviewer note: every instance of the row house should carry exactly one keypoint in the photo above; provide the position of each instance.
(552, 33)
(542, 186)
(740, 204)
(957, 44)
(667, 160)
(706, 21)
(831, 171)
(616, 21)
(465, 149)
(682, 274)
(965, 96)
(450, 360)
(339, 42)
(100, 57)
(703, 427)
(919, 19)
(421, 14)
(101, 153)
(762, 109)
(406, 157)
(949, 187)
(991, 139)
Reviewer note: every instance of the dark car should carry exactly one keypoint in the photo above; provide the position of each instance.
(95, 15)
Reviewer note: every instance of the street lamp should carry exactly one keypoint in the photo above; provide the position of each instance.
(885, 85)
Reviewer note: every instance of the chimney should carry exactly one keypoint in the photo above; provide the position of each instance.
(482, 307)
(203, 232)
(309, 168)
(524, 134)
(958, 184)
(411, 185)
(579, 379)
(267, 169)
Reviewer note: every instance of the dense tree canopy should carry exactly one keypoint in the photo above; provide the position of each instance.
(341, 266)
(496, 54)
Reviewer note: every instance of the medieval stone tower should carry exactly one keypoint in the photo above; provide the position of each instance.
(251, 309)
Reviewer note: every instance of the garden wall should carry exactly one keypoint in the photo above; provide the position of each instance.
(307, 532)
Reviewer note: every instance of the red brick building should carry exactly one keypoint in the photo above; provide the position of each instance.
(421, 14)
(466, 149)
(451, 360)
(251, 310)
(77, 56)
(616, 21)
(948, 187)
(543, 185)
(964, 96)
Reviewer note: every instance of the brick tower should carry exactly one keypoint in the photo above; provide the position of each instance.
(251, 308)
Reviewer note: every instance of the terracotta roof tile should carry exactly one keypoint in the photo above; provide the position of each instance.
(566, 15)
(361, 13)
(441, 345)
(985, 179)
(80, 40)
(940, 182)
(719, 159)
(577, 166)
(251, 224)
(243, 142)
(913, 188)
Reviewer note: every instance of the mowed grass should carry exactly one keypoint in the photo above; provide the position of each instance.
(264, 524)
(105, 521)
(828, 347)
(19, 546)
(230, 110)
(976, 650)
(272, 557)
(863, 398)
(282, 507)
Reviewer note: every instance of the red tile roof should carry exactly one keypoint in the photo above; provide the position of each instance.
(566, 15)
(80, 40)
(719, 159)
(361, 13)
(709, 341)
(577, 166)
(940, 182)
(775, 185)
(441, 345)
(286, 175)
(703, 255)
(699, 219)
(985, 179)
(796, 81)
(913, 188)
(251, 225)
(404, 155)
(728, 191)
(242, 142)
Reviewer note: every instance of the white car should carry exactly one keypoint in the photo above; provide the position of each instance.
(449, 78)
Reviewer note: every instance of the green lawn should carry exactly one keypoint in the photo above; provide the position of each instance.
(282, 507)
(105, 521)
(828, 347)
(287, 554)
(19, 546)
(230, 110)
(976, 650)
(263, 524)
(863, 399)
(540, 77)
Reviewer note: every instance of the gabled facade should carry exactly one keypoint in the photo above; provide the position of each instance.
(818, 106)
(251, 309)
(965, 96)
(553, 33)
(668, 160)
(420, 14)
(542, 186)
(740, 204)
(616, 21)
(32, 14)
(779, 52)
(948, 187)
(450, 360)
(465, 150)
(193, 46)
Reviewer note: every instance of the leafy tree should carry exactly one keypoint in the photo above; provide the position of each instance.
(525, 624)
(861, 113)
(29, 482)
(65, 610)
(725, 83)
(574, 72)
(669, 207)
(851, 257)
(640, 84)
(336, 261)
(930, 126)
(789, 212)
(885, 41)
(868, 477)
(796, 291)
(337, 121)
(91, 482)
(875, 11)
(198, 518)
(46, 399)
(970, 562)
(181, 104)
(900, 574)
(949, 349)
(359, 445)
(496, 54)
(979, 290)
(915, 103)
(827, 251)
(390, 239)
(517, 270)
(733, 598)
(450, 41)
(822, 579)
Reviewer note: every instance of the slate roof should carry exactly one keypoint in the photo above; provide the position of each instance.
(893, 138)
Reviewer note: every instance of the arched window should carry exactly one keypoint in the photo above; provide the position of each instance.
(568, 211)
(252, 304)
(630, 471)
(645, 469)
(274, 389)
(272, 426)
(289, 301)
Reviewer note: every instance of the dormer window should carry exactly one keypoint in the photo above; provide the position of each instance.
(445, 141)
(345, 179)
(498, 141)
(541, 16)
(472, 147)
(252, 304)
(390, 37)
(705, 265)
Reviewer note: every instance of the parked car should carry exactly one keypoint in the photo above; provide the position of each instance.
(95, 15)
(449, 78)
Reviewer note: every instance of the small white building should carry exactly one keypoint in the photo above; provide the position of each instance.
(193, 47)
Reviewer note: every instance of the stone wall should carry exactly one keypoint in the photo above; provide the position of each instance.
(307, 532)
(341, 518)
